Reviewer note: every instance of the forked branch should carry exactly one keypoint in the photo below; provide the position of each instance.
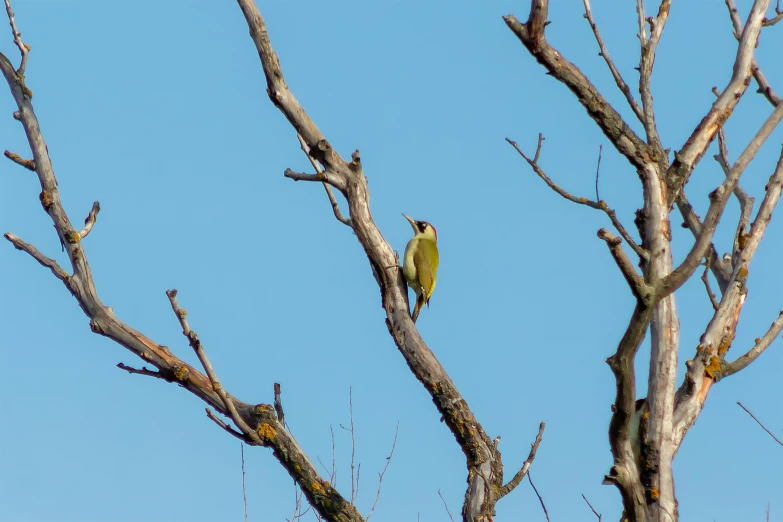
(483, 460)
(259, 420)
(517, 479)
(618, 79)
(531, 34)
(689, 155)
(758, 75)
(598, 205)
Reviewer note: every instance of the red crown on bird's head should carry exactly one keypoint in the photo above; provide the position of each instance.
(423, 226)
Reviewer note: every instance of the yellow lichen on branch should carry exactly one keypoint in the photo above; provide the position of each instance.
(266, 432)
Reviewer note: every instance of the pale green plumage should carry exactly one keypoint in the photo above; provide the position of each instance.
(420, 263)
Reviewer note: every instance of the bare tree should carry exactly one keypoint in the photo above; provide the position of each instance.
(642, 469)
(262, 425)
(644, 434)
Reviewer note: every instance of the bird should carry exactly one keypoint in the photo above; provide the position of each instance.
(420, 263)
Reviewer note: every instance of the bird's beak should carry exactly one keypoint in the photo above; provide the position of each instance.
(412, 222)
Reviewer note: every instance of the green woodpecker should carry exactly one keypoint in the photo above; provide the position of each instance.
(420, 264)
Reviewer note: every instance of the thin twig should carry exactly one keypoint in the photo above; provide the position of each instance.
(16, 158)
(592, 508)
(244, 491)
(543, 506)
(279, 405)
(142, 371)
(598, 205)
(354, 477)
(706, 278)
(445, 505)
(598, 168)
(48, 262)
(382, 473)
(760, 424)
(23, 48)
(195, 343)
(761, 80)
(640, 289)
(686, 159)
(772, 21)
(718, 199)
(333, 474)
(320, 172)
(746, 202)
(618, 79)
(515, 481)
(720, 269)
(89, 221)
(217, 420)
(297, 503)
(759, 347)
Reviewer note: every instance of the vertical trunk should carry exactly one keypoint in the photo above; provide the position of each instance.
(658, 451)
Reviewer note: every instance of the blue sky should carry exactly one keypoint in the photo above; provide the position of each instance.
(158, 110)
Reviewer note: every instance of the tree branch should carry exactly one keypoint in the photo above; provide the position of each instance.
(28, 164)
(89, 221)
(591, 508)
(483, 460)
(195, 343)
(47, 262)
(693, 150)
(639, 288)
(320, 172)
(705, 277)
(646, 62)
(383, 473)
(618, 79)
(720, 269)
(759, 347)
(514, 482)
(624, 473)
(760, 423)
(279, 405)
(709, 364)
(745, 201)
(719, 197)
(761, 80)
(143, 371)
(599, 205)
(540, 499)
(531, 34)
(260, 418)
(231, 431)
(24, 49)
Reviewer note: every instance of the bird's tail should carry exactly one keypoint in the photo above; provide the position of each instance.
(420, 300)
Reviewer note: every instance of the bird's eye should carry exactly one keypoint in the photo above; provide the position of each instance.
(423, 225)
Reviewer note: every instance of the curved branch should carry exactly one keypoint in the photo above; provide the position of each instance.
(514, 482)
(646, 62)
(598, 205)
(36, 254)
(618, 78)
(709, 364)
(693, 150)
(260, 418)
(719, 198)
(639, 288)
(531, 34)
(761, 345)
(761, 80)
(483, 459)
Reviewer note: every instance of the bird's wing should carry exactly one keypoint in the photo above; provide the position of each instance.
(427, 272)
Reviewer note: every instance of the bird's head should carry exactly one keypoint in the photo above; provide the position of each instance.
(422, 228)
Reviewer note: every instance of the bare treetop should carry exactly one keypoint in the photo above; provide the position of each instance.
(645, 432)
